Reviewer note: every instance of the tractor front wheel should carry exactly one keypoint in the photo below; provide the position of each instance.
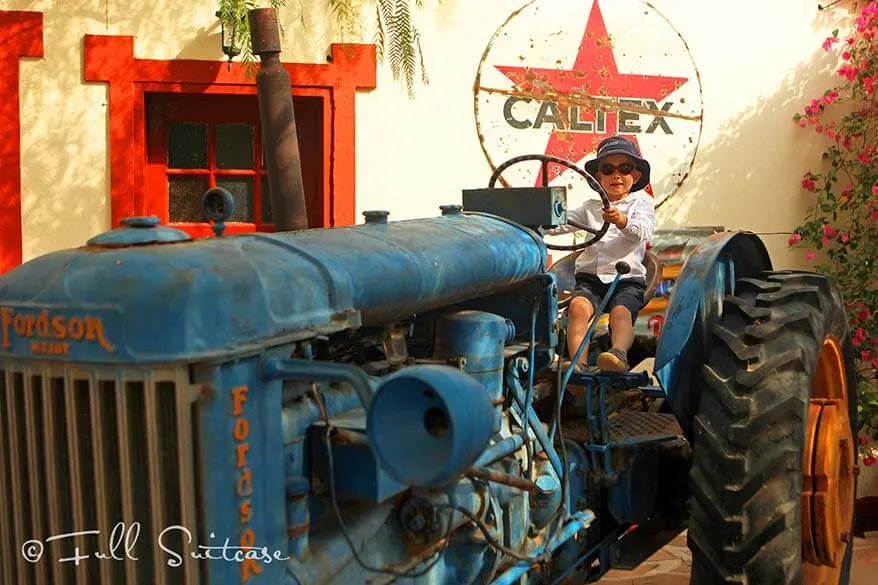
(774, 467)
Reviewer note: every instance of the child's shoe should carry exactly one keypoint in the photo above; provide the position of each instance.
(613, 360)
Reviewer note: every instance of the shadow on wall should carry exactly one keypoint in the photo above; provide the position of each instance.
(64, 120)
(762, 154)
(63, 132)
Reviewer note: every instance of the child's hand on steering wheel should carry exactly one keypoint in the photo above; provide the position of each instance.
(615, 217)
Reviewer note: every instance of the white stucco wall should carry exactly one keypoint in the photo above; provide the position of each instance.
(758, 62)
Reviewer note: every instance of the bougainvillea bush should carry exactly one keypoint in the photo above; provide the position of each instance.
(840, 232)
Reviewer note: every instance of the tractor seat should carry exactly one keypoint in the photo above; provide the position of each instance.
(564, 272)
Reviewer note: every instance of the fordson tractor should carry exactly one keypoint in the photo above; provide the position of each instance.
(390, 403)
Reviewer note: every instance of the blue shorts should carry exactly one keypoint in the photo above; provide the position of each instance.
(629, 293)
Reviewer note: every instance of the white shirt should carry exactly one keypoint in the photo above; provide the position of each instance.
(628, 244)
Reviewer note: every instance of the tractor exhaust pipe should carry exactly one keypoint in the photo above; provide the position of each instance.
(280, 141)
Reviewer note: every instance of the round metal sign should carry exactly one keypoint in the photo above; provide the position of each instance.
(559, 76)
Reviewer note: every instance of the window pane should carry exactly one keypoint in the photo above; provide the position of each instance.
(234, 146)
(184, 197)
(266, 201)
(241, 189)
(187, 146)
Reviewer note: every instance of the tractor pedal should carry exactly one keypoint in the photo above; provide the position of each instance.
(614, 380)
(632, 427)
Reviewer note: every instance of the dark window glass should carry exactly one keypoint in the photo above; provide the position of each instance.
(187, 146)
(185, 194)
(241, 189)
(234, 146)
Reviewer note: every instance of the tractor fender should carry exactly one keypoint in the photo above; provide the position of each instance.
(696, 302)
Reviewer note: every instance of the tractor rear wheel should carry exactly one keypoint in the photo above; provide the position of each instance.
(774, 471)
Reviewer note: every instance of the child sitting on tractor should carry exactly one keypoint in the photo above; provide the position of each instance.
(623, 173)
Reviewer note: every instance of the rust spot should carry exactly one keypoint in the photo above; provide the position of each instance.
(207, 391)
(294, 531)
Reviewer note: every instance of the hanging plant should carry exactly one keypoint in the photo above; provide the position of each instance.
(397, 40)
(233, 16)
(840, 232)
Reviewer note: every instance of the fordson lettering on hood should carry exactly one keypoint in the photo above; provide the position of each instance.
(50, 334)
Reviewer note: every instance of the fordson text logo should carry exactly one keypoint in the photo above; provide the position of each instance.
(559, 76)
(49, 333)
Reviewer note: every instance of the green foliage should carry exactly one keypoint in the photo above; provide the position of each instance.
(233, 16)
(397, 40)
(840, 232)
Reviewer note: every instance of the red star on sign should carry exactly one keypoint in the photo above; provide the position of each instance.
(594, 73)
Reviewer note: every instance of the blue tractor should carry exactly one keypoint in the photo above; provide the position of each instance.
(386, 403)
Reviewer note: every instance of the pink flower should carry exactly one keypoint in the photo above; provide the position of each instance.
(865, 355)
(875, 190)
(845, 237)
(810, 256)
(846, 55)
(803, 122)
(808, 183)
(848, 72)
(864, 314)
(850, 41)
(869, 461)
(875, 216)
(863, 440)
(829, 231)
(864, 158)
(827, 44)
(795, 239)
(858, 337)
(825, 241)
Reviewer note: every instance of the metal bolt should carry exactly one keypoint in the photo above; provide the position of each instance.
(451, 209)
(417, 523)
(376, 216)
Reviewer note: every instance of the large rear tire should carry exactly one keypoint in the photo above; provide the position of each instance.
(773, 477)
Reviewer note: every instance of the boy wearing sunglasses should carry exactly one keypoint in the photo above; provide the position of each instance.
(623, 173)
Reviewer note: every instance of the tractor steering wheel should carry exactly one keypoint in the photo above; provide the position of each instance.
(593, 182)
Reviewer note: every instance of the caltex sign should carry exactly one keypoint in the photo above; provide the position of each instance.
(561, 75)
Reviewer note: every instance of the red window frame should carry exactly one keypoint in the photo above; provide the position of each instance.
(21, 36)
(164, 108)
(110, 60)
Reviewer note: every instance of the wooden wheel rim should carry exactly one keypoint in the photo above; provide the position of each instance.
(828, 471)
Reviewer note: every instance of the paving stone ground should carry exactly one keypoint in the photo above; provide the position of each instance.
(670, 565)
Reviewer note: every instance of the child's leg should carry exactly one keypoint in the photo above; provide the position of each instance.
(621, 327)
(580, 314)
(625, 304)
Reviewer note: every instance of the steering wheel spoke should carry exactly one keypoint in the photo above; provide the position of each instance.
(544, 160)
(585, 228)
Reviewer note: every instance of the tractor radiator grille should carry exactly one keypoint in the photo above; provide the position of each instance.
(96, 450)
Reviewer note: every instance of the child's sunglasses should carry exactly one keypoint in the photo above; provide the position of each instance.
(624, 168)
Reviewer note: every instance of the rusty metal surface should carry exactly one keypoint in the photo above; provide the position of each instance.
(504, 478)
(281, 144)
(558, 76)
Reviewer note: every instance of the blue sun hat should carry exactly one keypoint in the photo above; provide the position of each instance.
(620, 145)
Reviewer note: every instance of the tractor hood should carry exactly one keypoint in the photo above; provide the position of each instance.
(149, 293)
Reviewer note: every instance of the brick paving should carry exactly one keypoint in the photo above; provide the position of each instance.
(670, 566)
